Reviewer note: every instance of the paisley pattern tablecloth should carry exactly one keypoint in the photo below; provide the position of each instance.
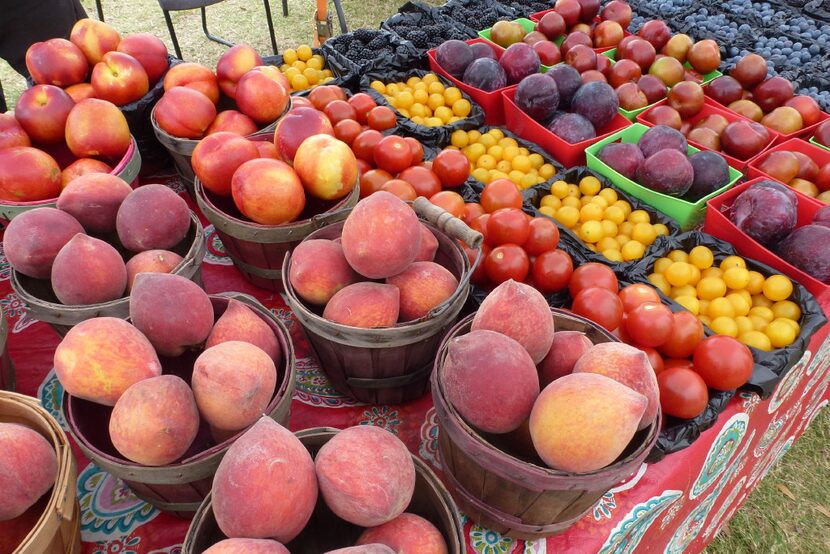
(676, 505)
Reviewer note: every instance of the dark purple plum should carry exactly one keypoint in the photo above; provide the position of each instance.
(662, 137)
(481, 50)
(711, 173)
(485, 74)
(766, 211)
(519, 61)
(597, 102)
(822, 217)
(454, 56)
(806, 249)
(538, 97)
(567, 80)
(572, 128)
(623, 157)
(667, 171)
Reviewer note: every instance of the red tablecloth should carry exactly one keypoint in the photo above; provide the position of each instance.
(674, 506)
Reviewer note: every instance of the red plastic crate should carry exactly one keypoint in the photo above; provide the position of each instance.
(491, 102)
(711, 107)
(717, 223)
(536, 17)
(568, 154)
(818, 155)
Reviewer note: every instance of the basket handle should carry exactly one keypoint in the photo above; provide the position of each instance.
(447, 222)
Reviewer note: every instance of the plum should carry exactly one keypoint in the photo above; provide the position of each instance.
(766, 211)
(567, 80)
(572, 128)
(597, 102)
(519, 61)
(806, 249)
(482, 50)
(485, 74)
(454, 56)
(666, 171)
(822, 217)
(623, 157)
(538, 97)
(711, 173)
(661, 137)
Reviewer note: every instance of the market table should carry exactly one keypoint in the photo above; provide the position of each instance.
(675, 505)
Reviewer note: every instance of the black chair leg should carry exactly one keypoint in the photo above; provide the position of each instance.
(207, 33)
(270, 25)
(100, 9)
(285, 8)
(172, 32)
(341, 17)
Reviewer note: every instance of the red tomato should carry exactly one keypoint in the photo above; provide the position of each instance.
(479, 276)
(686, 333)
(649, 324)
(450, 201)
(301, 102)
(677, 362)
(471, 211)
(381, 118)
(508, 226)
(654, 358)
(339, 110)
(544, 236)
(452, 167)
(364, 144)
(372, 181)
(552, 270)
(683, 393)
(401, 189)
(392, 153)
(424, 181)
(363, 167)
(417, 150)
(620, 331)
(347, 130)
(480, 224)
(507, 261)
(593, 275)
(601, 306)
(362, 104)
(723, 362)
(321, 96)
(634, 295)
(501, 193)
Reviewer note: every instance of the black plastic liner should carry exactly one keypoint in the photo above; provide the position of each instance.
(425, 27)
(389, 53)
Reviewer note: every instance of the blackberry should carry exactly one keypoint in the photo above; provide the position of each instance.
(419, 39)
(365, 35)
(377, 42)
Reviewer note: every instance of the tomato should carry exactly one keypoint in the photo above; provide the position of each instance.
(399, 188)
(593, 275)
(552, 270)
(479, 275)
(634, 295)
(723, 362)
(620, 331)
(501, 193)
(686, 333)
(347, 130)
(654, 358)
(381, 118)
(471, 211)
(301, 102)
(392, 153)
(544, 236)
(417, 150)
(364, 144)
(649, 324)
(507, 261)
(452, 167)
(362, 104)
(450, 201)
(601, 306)
(372, 181)
(677, 362)
(424, 181)
(339, 110)
(321, 96)
(363, 167)
(480, 224)
(683, 393)
(508, 226)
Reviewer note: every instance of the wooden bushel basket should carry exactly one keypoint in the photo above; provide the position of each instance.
(390, 365)
(325, 531)
(516, 496)
(44, 305)
(57, 528)
(180, 487)
(7, 377)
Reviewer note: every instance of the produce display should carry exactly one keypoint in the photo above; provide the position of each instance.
(304, 69)
(425, 100)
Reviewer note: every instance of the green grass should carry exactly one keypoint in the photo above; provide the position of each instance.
(769, 522)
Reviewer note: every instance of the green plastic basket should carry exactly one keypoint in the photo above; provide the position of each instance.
(528, 26)
(686, 213)
(817, 143)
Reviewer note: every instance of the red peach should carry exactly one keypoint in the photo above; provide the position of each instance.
(195, 76)
(97, 128)
(12, 133)
(318, 270)
(232, 121)
(268, 191)
(42, 111)
(217, 157)
(94, 38)
(233, 64)
(56, 62)
(423, 287)
(151, 261)
(28, 174)
(326, 166)
(93, 199)
(184, 112)
(119, 78)
(150, 52)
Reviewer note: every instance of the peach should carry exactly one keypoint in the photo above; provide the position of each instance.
(520, 312)
(12, 133)
(423, 287)
(268, 192)
(93, 199)
(583, 422)
(429, 245)
(233, 65)
(381, 236)
(94, 38)
(748, 109)
(28, 174)
(56, 62)
(119, 78)
(407, 533)
(217, 157)
(364, 549)
(261, 97)
(172, 312)
(97, 128)
(28, 468)
(155, 421)
(366, 475)
(318, 270)
(88, 271)
(42, 111)
(366, 305)
(783, 119)
(240, 323)
(193, 76)
(100, 358)
(807, 107)
(565, 350)
(326, 166)
(247, 546)
(296, 126)
(184, 112)
(627, 365)
(808, 169)
(151, 261)
(265, 485)
(34, 238)
(232, 121)
(83, 166)
(780, 165)
(484, 368)
(150, 52)
(266, 149)
(80, 91)
(152, 217)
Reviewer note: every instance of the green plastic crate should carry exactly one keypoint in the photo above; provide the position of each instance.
(817, 143)
(528, 26)
(687, 214)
